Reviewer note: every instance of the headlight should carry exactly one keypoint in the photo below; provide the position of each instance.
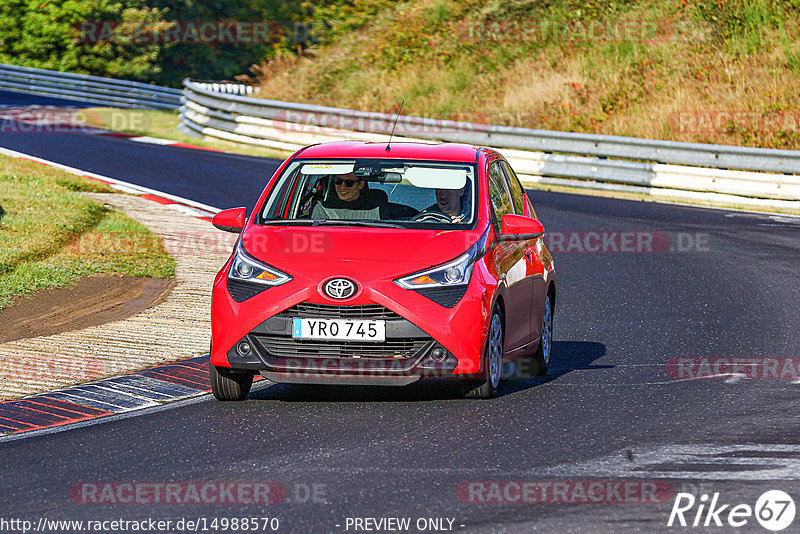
(454, 273)
(247, 269)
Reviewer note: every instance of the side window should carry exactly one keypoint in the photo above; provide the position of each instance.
(517, 193)
(501, 201)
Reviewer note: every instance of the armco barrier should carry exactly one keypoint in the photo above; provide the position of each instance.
(693, 172)
(228, 87)
(94, 89)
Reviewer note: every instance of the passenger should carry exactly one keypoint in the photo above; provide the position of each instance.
(352, 201)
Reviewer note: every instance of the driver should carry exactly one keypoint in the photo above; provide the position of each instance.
(350, 201)
(452, 202)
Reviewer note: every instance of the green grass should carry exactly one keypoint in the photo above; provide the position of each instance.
(50, 234)
(164, 125)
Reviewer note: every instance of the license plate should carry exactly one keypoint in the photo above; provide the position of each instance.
(338, 329)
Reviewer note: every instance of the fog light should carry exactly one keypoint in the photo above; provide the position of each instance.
(244, 270)
(244, 348)
(453, 274)
(438, 354)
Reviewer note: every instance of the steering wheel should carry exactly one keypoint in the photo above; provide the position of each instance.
(432, 216)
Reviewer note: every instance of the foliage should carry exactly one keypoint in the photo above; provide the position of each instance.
(54, 35)
(43, 34)
(712, 71)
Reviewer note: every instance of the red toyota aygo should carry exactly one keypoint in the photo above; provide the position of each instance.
(367, 263)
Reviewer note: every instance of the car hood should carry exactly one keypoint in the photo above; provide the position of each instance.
(395, 250)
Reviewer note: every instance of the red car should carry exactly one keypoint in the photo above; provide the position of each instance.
(368, 263)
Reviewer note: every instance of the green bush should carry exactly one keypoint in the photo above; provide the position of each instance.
(34, 33)
(48, 35)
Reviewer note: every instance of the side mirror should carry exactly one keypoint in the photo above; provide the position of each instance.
(231, 220)
(520, 227)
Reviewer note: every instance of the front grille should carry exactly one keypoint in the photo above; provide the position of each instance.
(323, 311)
(287, 347)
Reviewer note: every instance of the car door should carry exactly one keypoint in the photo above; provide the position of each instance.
(533, 251)
(511, 262)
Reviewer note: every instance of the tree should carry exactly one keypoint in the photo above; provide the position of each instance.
(96, 36)
(223, 60)
(48, 34)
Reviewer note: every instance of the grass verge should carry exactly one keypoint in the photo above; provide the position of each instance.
(50, 234)
(164, 125)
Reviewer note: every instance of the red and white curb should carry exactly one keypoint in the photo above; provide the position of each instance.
(113, 396)
(65, 119)
(103, 398)
(190, 207)
(157, 141)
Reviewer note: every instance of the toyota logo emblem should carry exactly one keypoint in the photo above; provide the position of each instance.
(339, 288)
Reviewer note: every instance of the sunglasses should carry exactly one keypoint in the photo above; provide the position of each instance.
(348, 183)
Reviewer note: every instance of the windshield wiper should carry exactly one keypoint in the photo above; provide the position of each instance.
(343, 222)
(330, 222)
(289, 222)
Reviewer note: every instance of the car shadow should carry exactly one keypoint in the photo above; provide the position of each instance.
(568, 356)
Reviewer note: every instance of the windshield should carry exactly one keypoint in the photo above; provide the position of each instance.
(392, 193)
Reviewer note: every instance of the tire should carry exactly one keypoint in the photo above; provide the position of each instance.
(227, 385)
(492, 362)
(540, 361)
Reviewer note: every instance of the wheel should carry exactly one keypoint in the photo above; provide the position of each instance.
(540, 361)
(493, 362)
(433, 216)
(227, 385)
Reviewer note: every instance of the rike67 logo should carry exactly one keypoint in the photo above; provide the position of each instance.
(774, 510)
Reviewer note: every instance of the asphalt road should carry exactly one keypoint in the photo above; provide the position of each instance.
(215, 179)
(610, 410)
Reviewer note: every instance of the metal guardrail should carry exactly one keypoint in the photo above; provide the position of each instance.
(94, 89)
(604, 146)
(547, 157)
(691, 171)
(228, 88)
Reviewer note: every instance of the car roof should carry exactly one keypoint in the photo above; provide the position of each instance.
(400, 150)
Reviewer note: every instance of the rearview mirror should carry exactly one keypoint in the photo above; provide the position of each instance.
(520, 227)
(231, 220)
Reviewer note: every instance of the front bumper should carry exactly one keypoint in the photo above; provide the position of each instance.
(407, 354)
(460, 330)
